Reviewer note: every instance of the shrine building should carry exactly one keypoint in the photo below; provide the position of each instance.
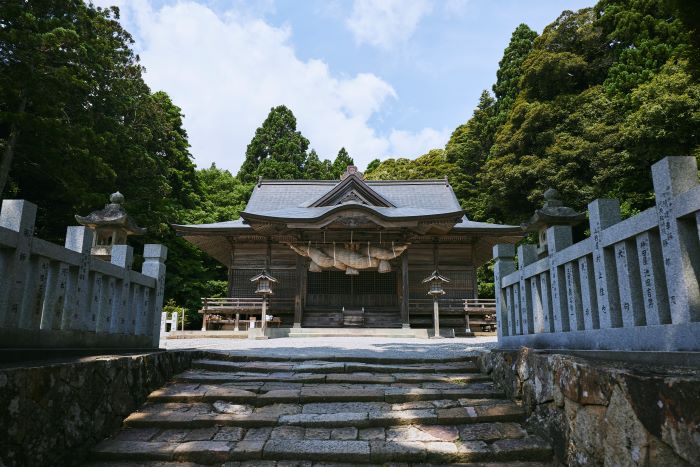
(353, 244)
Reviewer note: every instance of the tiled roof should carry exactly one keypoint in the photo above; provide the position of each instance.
(290, 199)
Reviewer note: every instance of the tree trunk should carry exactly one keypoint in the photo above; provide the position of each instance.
(9, 152)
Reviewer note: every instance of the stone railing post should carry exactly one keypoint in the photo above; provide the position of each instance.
(154, 266)
(558, 238)
(604, 213)
(76, 312)
(673, 176)
(503, 254)
(527, 254)
(17, 215)
(122, 256)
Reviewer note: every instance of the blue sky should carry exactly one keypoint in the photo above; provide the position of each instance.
(384, 78)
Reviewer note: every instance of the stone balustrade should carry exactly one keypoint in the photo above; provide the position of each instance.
(631, 285)
(61, 297)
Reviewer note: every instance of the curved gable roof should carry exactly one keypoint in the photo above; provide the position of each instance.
(297, 199)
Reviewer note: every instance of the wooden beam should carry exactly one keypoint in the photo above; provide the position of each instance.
(404, 290)
(268, 257)
(230, 267)
(300, 291)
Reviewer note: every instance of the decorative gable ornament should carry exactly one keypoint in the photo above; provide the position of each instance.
(352, 170)
(352, 189)
(352, 197)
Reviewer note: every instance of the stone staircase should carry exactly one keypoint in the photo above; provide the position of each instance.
(238, 410)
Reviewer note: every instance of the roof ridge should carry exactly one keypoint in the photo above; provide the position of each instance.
(422, 181)
(297, 182)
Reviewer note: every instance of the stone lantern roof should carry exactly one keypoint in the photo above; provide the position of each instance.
(553, 213)
(113, 215)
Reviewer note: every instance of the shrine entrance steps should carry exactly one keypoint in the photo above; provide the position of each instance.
(241, 411)
(359, 332)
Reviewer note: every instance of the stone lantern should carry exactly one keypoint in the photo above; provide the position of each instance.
(264, 279)
(112, 226)
(552, 213)
(436, 280)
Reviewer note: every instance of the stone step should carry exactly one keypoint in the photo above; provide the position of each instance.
(302, 463)
(335, 329)
(260, 395)
(483, 442)
(205, 376)
(277, 410)
(320, 366)
(325, 414)
(302, 357)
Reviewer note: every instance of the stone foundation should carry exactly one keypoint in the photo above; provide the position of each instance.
(52, 414)
(603, 413)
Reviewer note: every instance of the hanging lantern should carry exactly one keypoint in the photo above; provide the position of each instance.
(436, 280)
(264, 279)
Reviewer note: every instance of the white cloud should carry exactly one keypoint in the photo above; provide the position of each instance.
(227, 70)
(386, 23)
(455, 7)
(407, 144)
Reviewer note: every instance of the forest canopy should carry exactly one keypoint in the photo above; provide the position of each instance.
(586, 107)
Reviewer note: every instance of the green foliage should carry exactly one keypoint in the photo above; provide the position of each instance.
(77, 122)
(316, 169)
(373, 165)
(434, 164)
(509, 69)
(341, 163)
(468, 149)
(277, 151)
(223, 197)
(604, 93)
(643, 35)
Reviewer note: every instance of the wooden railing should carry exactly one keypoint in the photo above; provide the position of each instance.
(229, 311)
(480, 312)
(62, 297)
(632, 285)
(231, 305)
(479, 316)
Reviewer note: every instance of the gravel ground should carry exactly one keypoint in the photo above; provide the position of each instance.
(356, 346)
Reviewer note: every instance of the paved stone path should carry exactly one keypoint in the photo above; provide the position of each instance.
(350, 346)
(240, 408)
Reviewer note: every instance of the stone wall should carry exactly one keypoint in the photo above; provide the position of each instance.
(602, 413)
(52, 414)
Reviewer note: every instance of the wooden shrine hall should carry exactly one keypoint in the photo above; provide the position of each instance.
(353, 248)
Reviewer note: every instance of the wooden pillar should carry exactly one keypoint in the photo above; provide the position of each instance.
(405, 320)
(300, 291)
(475, 276)
(268, 257)
(230, 267)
